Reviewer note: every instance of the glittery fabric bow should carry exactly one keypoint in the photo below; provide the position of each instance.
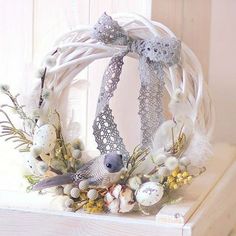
(154, 54)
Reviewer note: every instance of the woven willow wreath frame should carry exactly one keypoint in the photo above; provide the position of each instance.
(178, 143)
(76, 49)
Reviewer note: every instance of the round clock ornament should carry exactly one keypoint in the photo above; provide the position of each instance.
(171, 153)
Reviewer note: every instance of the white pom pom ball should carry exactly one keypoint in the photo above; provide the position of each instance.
(92, 194)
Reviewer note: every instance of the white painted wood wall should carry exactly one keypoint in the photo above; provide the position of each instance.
(29, 27)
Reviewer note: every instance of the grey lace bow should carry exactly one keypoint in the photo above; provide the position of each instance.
(154, 54)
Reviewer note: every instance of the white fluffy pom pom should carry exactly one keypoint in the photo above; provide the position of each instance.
(92, 194)
(75, 192)
(83, 185)
(171, 163)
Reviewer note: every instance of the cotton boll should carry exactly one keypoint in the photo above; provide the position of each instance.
(114, 206)
(171, 163)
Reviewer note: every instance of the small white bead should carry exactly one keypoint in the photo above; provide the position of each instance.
(92, 194)
(83, 185)
(69, 202)
(67, 189)
(75, 192)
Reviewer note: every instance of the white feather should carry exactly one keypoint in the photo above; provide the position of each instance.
(199, 150)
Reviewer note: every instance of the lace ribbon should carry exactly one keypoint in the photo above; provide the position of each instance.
(154, 54)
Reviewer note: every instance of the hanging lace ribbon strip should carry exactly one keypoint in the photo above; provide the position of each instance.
(155, 54)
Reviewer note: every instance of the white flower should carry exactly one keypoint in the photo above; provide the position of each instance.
(171, 163)
(119, 199)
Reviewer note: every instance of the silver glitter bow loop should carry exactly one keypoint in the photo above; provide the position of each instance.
(108, 31)
(164, 50)
(154, 54)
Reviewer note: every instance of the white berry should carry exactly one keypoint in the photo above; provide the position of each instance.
(69, 202)
(92, 194)
(83, 185)
(75, 192)
(67, 189)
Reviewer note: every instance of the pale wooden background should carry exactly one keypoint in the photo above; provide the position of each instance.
(29, 27)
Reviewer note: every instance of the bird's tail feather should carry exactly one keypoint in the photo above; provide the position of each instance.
(54, 181)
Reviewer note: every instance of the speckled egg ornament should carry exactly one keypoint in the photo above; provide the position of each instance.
(172, 150)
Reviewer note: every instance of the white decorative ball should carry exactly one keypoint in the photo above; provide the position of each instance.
(171, 163)
(149, 193)
(45, 137)
(68, 202)
(67, 189)
(92, 194)
(75, 192)
(83, 185)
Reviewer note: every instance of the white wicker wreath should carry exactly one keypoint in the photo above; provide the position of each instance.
(179, 143)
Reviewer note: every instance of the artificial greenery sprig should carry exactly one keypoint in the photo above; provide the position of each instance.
(19, 136)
